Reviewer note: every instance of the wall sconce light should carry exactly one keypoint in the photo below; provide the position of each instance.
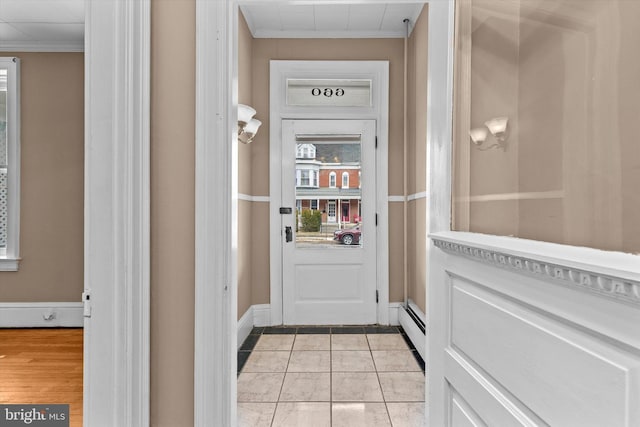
(247, 125)
(478, 135)
(498, 128)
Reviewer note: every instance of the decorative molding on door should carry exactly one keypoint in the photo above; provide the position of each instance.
(41, 315)
(611, 286)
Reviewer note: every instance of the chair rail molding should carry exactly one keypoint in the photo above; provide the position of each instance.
(608, 285)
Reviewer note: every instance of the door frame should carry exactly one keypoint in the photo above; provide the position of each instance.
(332, 202)
(116, 204)
(361, 307)
(216, 214)
(378, 71)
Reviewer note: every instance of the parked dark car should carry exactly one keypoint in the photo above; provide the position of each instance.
(348, 236)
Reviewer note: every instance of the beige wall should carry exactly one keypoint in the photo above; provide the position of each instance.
(245, 208)
(494, 88)
(52, 180)
(565, 75)
(580, 98)
(628, 113)
(172, 211)
(417, 160)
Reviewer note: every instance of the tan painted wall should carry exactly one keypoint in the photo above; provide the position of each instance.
(245, 96)
(494, 87)
(52, 181)
(172, 211)
(579, 96)
(629, 111)
(245, 232)
(396, 253)
(417, 160)
(564, 74)
(325, 49)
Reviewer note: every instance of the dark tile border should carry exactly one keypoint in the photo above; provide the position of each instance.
(416, 355)
(243, 356)
(279, 330)
(347, 330)
(250, 342)
(252, 339)
(314, 330)
(382, 329)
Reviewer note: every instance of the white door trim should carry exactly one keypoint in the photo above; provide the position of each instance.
(379, 72)
(216, 214)
(117, 185)
(303, 268)
(439, 149)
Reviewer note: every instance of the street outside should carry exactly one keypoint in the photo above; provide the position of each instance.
(323, 237)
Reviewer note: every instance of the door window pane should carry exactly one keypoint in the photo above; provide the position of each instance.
(329, 217)
(547, 115)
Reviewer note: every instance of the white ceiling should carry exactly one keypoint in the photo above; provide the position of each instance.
(356, 20)
(43, 25)
(58, 25)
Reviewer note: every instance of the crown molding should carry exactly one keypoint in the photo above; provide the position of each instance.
(41, 46)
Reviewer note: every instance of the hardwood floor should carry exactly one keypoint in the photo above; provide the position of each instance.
(42, 366)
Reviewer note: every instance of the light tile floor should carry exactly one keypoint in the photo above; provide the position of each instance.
(330, 377)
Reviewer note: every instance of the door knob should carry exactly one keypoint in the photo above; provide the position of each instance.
(288, 233)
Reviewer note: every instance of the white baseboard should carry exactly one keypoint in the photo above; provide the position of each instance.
(394, 309)
(415, 334)
(245, 325)
(262, 314)
(256, 315)
(41, 315)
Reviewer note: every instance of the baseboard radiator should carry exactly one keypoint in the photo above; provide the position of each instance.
(413, 321)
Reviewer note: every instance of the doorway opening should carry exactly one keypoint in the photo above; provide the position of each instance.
(294, 281)
(255, 197)
(346, 141)
(42, 68)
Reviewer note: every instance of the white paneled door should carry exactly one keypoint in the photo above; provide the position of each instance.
(329, 260)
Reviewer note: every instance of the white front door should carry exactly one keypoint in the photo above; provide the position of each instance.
(329, 272)
(331, 211)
